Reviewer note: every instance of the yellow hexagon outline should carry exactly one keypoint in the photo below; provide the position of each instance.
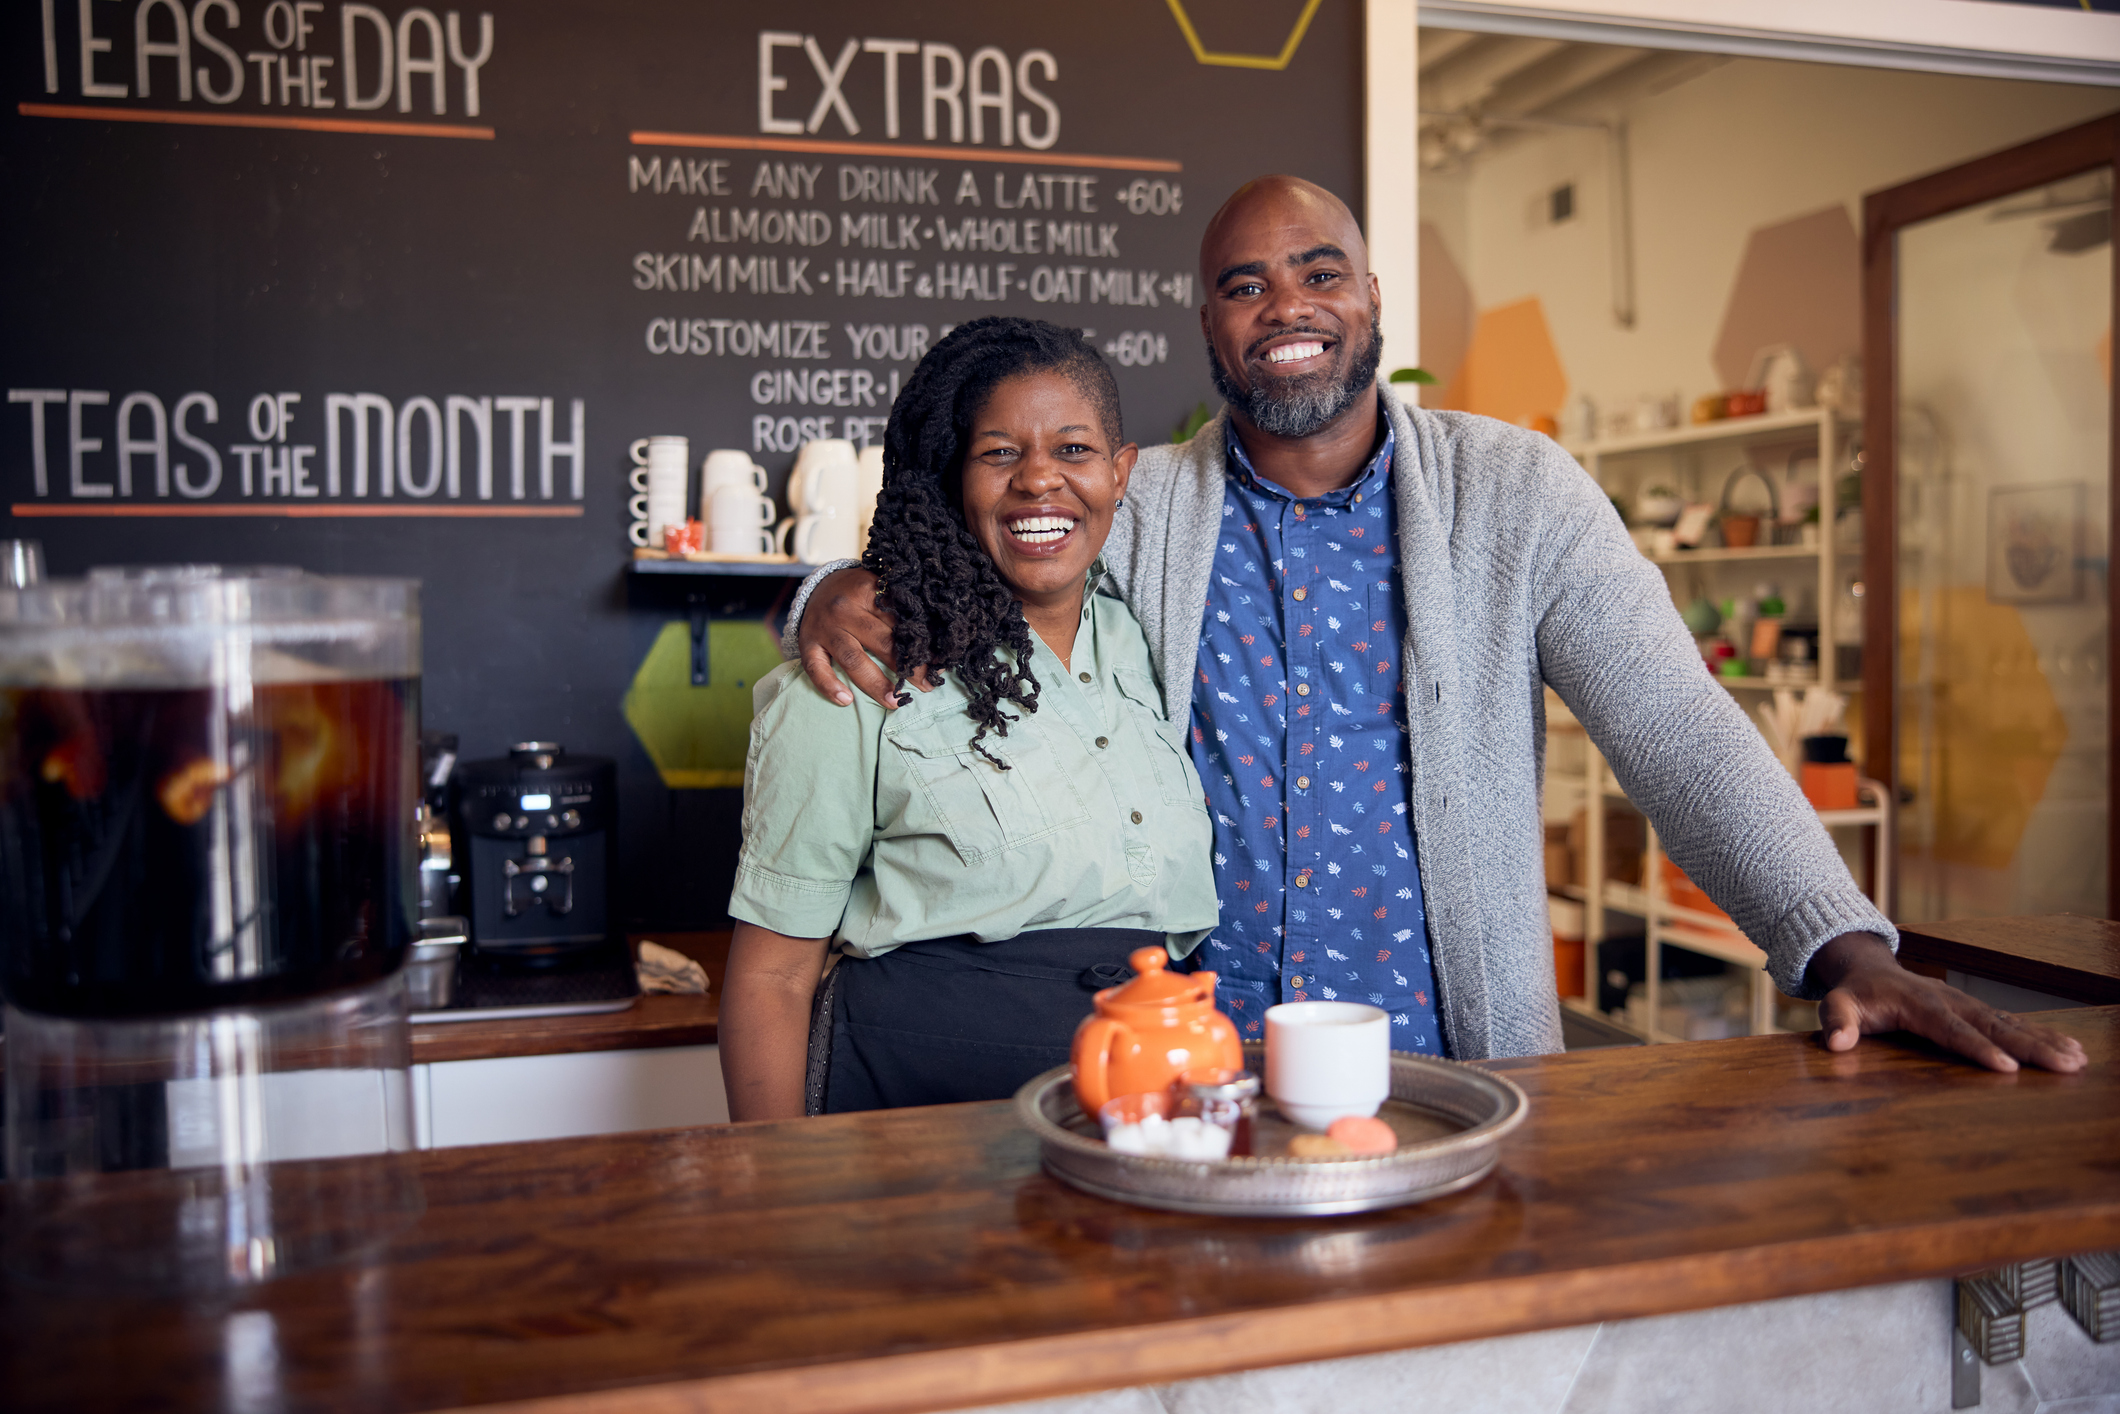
(1243, 61)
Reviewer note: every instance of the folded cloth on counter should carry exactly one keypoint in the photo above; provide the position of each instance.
(667, 970)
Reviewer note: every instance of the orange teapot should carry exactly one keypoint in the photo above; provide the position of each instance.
(1147, 1032)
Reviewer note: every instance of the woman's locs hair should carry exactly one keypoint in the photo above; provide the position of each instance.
(954, 612)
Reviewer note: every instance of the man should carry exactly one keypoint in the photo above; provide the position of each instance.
(1386, 592)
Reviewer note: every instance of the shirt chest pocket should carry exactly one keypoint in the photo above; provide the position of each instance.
(1165, 740)
(1363, 651)
(982, 809)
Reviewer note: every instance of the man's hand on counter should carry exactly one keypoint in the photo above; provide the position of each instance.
(1867, 991)
(844, 625)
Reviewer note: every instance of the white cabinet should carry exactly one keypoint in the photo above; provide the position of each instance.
(511, 1098)
(1696, 462)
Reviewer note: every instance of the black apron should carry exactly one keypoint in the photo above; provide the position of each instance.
(950, 1020)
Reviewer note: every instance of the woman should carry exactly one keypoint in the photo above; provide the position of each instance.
(983, 857)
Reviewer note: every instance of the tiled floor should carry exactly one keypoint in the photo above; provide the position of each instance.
(1880, 1350)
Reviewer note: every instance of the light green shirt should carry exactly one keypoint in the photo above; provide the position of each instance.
(879, 828)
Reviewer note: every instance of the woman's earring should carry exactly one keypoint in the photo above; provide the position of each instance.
(1118, 503)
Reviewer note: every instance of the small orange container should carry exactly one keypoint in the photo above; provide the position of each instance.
(1568, 965)
(1830, 785)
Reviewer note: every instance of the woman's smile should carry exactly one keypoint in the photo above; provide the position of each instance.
(1043, 531)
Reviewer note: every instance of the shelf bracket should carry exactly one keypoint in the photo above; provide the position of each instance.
(697, 603)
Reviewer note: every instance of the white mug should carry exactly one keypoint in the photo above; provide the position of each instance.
(648, 450)
(822, 452)
(819, 538)
(1327, 1060)
(741, 507)
(833, 488)
(727, 468)
(868, 485)
(656, 509)
(649, 506)
(727, 539)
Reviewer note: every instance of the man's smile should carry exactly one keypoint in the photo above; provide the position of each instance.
(1293, 351)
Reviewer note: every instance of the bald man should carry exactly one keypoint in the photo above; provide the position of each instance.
(1386, 592)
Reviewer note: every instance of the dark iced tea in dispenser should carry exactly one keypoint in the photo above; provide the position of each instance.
(207, 782)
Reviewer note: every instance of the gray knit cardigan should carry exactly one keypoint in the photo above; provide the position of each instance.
(1518, 575)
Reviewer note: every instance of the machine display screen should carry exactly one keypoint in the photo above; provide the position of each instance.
(537, 802)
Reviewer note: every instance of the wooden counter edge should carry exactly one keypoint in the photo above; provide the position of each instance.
(2014, 953)
(1046, 1367)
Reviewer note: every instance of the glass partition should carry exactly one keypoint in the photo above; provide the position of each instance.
(2004, 359)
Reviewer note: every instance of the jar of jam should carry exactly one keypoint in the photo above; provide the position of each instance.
(1227, 1099)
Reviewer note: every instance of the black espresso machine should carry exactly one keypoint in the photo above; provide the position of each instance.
(534, 830)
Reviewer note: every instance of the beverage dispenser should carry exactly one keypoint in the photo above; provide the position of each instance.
(208, 882)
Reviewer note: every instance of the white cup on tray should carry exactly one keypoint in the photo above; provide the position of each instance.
(1327, 1060)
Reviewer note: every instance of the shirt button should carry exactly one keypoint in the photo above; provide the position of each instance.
(1302, 593)
(1302, 783)
(1303, 880)
(1137, 817)
(1358, 498)
(1302, 689)
(1083, 676)
(1295, 981)
(1104, 741)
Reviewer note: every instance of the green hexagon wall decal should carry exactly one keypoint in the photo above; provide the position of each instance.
(697, 736)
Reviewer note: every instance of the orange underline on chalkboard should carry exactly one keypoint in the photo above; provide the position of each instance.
(298, 510)
(898, 149)
(252, 120)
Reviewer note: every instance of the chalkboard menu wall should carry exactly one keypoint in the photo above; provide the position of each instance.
(388, 289)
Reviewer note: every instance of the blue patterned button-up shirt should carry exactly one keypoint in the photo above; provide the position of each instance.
(1299, 734)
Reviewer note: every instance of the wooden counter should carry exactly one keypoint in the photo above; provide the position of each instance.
(2061, 954)
(919, 1259)
(650, 1022)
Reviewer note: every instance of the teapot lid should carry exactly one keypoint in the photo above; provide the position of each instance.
(1154, 983)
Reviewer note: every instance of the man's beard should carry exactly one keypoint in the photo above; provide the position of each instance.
(1300, 407)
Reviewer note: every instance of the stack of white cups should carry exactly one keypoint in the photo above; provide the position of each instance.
(824, 490)
(661, 467)
(734, 504)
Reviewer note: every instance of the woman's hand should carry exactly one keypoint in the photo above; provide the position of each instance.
(843, 624)
(765, 1021)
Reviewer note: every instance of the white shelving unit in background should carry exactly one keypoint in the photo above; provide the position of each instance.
(1695, 462)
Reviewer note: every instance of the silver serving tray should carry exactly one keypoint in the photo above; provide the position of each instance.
(1450, 1119)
